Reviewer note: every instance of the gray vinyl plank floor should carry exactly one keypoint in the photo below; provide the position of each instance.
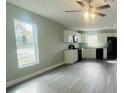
(82, 77)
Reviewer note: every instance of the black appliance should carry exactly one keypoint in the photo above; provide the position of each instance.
(79, 54)
(99, 53)
(112, 48)
(71, 47)
(75, 39)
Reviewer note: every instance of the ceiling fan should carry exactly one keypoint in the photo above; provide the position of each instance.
(89, 7)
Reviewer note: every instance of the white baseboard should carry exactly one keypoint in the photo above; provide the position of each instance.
(10, 83)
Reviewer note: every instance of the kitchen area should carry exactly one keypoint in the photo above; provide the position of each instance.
(89, 45)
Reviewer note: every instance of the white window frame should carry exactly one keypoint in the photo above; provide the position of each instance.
(35, 42)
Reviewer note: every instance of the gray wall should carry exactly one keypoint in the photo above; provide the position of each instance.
(50, 42)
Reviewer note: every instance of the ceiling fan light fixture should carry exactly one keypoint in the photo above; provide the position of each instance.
(90, 10)
(86, 14)
(92, 15)
(78, 0)
(93, 10)
(89, 15)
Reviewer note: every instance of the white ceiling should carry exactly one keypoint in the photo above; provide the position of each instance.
(54, 10)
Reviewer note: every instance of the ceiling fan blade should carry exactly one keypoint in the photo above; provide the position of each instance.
(89, 1)
(100, 14)
(103, 7)
(81, 3)
(74, 11)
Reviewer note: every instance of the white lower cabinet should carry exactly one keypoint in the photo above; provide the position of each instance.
(89, 53)
(105, 53)
(71, 56)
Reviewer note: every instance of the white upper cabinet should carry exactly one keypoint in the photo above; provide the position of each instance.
(67, 36)
(75, 37)
(78, 37)
(112, 34)
(72, 36)
(102, 38)
(83, 38)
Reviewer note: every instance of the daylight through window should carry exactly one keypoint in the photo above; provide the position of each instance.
(26, 43)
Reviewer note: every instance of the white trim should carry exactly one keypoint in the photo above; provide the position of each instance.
(35, 42)
(10, 83)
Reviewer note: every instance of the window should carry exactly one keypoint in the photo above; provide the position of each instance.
(26, 43)
(92, 40)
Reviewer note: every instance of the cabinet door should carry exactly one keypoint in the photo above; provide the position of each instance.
(71, 56)
(93, 53)
(115, 34)
(68, 36)
(112, 34)
(79, 37)
(102, 38)
(89, 53)
(86, 53)
(83, 38)
(105, 53)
